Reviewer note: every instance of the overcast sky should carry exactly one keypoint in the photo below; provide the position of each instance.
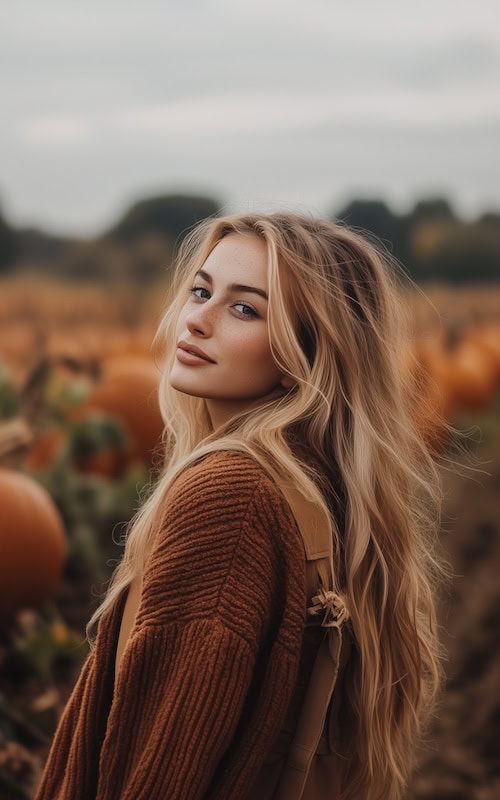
(262, 103)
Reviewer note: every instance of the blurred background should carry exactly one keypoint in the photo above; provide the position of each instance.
(123, 124)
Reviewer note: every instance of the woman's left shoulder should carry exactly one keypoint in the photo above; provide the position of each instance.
(228, 471)
(231, 489)
(229, 465)
(226, 533)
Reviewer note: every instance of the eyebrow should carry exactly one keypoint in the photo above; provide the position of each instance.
(234, 287)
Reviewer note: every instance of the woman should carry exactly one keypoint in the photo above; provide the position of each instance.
(282, 350)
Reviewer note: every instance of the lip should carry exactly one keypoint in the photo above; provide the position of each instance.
(199, 352)
(188, 358)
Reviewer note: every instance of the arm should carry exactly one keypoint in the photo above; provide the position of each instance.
(211, 599)
(178, 703)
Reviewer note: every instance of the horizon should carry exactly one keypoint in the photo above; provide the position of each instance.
(330, 213)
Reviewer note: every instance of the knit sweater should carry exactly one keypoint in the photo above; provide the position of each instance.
(212, 660)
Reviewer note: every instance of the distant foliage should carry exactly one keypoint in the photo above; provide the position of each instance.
(375, 216)
(8, 246)
(467, 253)
(171, 216)
(431, 242)
(34, 245)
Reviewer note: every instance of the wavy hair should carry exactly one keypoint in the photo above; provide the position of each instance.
(346, 435)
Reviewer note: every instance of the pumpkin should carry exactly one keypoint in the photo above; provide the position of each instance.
(128, 390)
(433, 403)
(32, 543)
(473, 375)
(487, 338)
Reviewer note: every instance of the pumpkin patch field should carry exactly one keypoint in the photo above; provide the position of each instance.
(81, 446)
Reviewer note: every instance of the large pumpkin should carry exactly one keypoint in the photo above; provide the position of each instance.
(432, 398)
(32, 543)
(128, 390)
(473, 375)
(487, 337)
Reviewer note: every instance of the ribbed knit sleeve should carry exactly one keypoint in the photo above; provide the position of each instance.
(191, 680)
(208, 671)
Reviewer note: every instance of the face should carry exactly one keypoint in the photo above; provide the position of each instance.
(225, 316)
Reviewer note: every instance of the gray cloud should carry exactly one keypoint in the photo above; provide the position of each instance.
(275, 102)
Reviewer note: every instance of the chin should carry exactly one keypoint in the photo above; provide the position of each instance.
(180, 386)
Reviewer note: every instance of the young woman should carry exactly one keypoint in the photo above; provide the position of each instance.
(282, 350)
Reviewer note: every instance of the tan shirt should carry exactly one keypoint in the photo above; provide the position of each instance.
(129, 616)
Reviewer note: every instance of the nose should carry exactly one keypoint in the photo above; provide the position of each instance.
(200, 320)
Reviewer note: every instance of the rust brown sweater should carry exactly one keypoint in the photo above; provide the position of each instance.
(212, 660)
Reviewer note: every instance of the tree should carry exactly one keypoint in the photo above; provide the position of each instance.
(377, 218)
(171, 216)
(433, 209)
(469, 253)
(8, 245)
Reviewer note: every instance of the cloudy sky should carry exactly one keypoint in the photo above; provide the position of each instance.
(262, 103)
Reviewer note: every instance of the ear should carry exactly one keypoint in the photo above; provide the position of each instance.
(287, 381)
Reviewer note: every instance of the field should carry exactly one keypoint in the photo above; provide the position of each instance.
(61, 343)
(462, 757)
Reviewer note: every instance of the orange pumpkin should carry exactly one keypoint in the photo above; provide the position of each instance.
(128, 390)
(487, 337)
(432, 399)
(473, 375)
(32, 544)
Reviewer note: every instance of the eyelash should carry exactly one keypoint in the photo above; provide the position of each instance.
(193, 289)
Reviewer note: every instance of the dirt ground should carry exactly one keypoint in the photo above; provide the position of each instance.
(462, 756)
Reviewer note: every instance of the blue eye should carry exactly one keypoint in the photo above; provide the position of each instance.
(194, 289)
(249, 312)
(253, 313)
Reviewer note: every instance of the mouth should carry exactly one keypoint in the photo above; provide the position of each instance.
(190, 357)
(194, 350)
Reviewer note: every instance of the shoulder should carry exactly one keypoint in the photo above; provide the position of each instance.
(233, 468)
(227, 535)
(225, 482)
(226, 508)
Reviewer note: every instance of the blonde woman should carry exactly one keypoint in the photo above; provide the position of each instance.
(281, 353)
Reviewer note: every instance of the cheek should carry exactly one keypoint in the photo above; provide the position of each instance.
(246, 347)
(255, 354)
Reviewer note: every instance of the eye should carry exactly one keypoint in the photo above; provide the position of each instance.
(252, 311)
(195, 289)
(249, 312)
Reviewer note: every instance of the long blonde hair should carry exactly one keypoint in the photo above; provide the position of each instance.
(346, 435)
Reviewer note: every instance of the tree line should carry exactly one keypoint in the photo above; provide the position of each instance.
(431, 242)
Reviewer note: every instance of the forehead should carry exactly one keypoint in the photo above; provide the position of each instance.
(239, 258)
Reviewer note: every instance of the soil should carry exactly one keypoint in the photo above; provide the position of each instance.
(461, 760)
